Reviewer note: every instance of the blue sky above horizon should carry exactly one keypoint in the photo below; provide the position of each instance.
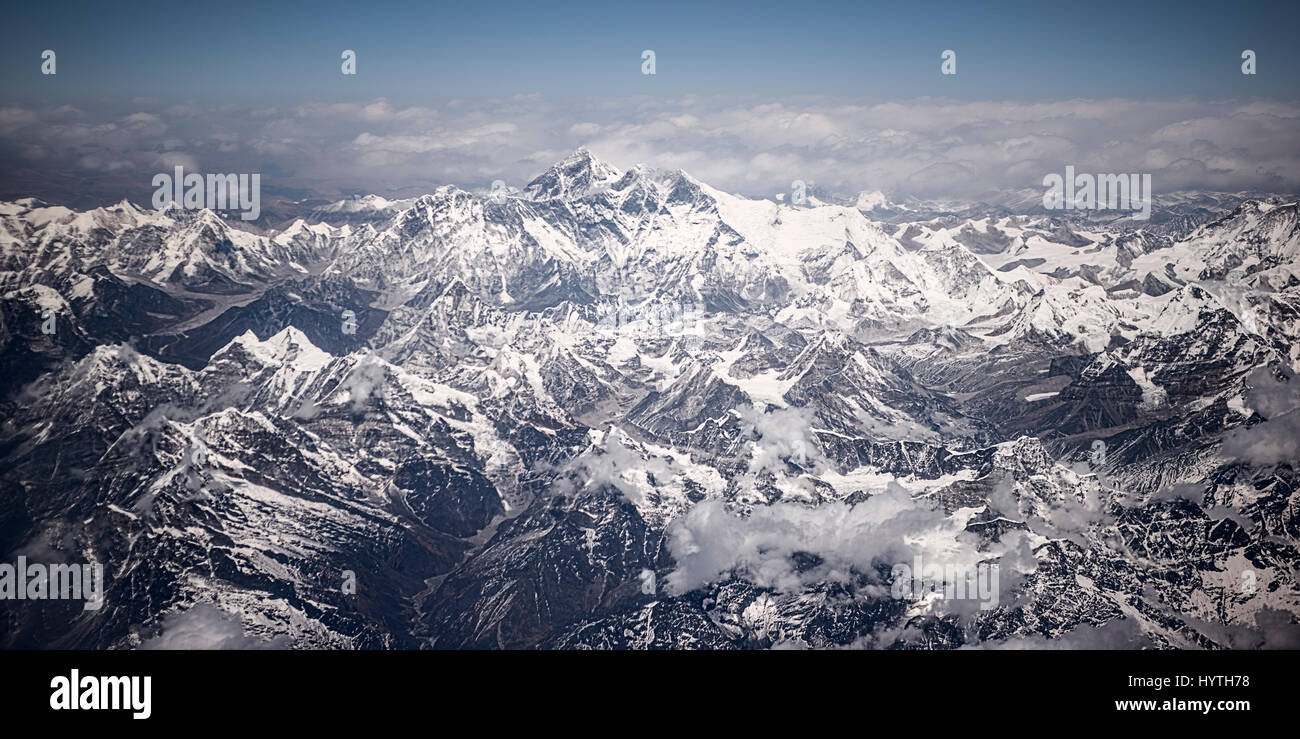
(746, 96)
(288, 51)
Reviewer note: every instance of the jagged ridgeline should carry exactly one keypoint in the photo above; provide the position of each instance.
(625, 409)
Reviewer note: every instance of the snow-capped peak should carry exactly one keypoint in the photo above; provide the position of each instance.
(288, 347)
(572, 177)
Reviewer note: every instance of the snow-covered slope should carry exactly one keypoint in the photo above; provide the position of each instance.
(626, 409)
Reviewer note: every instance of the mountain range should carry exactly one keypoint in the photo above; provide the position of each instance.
(624, 409)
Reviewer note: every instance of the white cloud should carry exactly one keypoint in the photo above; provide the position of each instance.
(1275, 440)
(710, 542)
(206, 626)
(922, 147)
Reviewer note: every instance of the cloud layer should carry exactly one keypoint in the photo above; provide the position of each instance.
(927, 148)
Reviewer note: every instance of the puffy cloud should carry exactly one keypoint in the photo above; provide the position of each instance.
(710, 542)
(364, 381)
(206, 626)
(611, 462)
(1122, 633)
(778, 435)
(1275, 440)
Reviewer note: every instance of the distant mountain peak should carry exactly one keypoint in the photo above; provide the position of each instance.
(288, 346)
(572, 177)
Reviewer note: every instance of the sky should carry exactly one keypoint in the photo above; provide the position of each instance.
(746, 96)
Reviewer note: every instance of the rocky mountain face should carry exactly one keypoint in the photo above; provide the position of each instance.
(627, 410)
